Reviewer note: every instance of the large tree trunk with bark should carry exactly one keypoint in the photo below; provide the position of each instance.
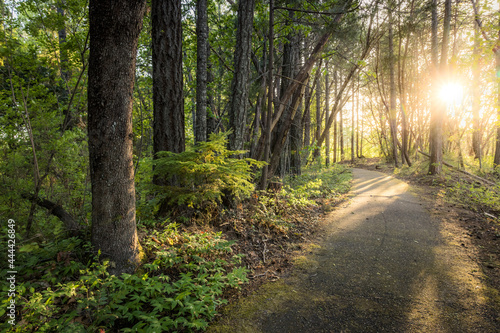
(114, 33)
(239, 85)
(168, 99)
(200, 130)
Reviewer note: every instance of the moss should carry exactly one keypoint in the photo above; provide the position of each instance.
(244, 315)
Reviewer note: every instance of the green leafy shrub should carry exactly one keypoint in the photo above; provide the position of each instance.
(300, 193)
(477, 198)
(179, 290)
(317, 183)
(205, 172)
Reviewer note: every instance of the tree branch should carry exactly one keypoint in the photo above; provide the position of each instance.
(57, 210)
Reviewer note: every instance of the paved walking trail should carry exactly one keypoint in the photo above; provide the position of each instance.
(384, 265)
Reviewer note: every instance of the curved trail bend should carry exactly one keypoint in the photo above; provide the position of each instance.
(384, 265)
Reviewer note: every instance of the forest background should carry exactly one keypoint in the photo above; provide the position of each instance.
(168, 114)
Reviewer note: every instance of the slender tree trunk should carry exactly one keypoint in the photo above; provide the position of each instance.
(239, 86)
(65, 74)
(496, 159)
(352, 121)
(296, 129)
(168, 99)
(318, 118)
(307, 117)
(392, 98)
(436, 136)
(327, 118)
(357, 121)
(476, 95)
(341, 135)
(114, 33)
(200, 131)
(270, 89)
(335, 132)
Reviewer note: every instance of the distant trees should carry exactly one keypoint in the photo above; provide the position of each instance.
(114, 33)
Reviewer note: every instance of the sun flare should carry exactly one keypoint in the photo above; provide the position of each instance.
(451, 93)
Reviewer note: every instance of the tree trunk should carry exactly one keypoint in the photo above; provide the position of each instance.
(496, 159)
(239, 85)
(283, 131)
(307, 116)
(476, 95)
(317, 151)
(296, 129)
(270, 89)
(392, 103)
(335, 132)
(168, 99)
(62, 45)
(200, 131)
(327, 117)
(436, 136)
(114, 33)
(341, 135)
(352, 121)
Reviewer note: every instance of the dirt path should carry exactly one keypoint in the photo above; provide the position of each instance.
(384, 264)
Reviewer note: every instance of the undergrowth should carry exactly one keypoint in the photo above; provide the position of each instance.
(458, 188)
(179, 289)
(185, 277)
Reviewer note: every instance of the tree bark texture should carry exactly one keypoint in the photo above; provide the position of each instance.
(200, 131)
(239, 85)
(266, 134)
(168, 99)
(114, 33)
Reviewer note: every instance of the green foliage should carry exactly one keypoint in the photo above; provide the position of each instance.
(301, 193)
(475, 197)
(205, 173)
(317, 183)
(179, 290)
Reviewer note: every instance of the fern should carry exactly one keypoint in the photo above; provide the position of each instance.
(205, 173)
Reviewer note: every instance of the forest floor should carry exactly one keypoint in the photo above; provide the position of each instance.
(398, 263)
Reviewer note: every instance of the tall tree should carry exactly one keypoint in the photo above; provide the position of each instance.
(270, 96)
(435, 138)
(168, 99)
(392, 94)
(496, 52)
(327, 117)
(114, 33)
(239, 86)
(476, 95)
(438, 109)
(200, 130)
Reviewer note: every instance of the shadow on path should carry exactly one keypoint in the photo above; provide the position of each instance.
(383, 266)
